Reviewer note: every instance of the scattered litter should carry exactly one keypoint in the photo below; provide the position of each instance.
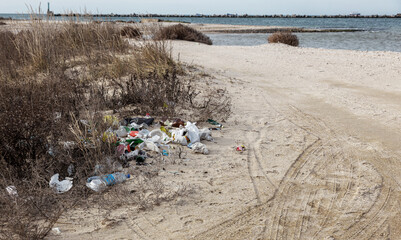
(178, 123)
(100, 183)
(12, 191)
(164, 153)
(71, 170)
(138, 121)
(192, 132)
(68, 145)
(133, 133)
(213, 122)
(56, 231)
(199, 148)
(205, 134)
(60, 187)
(241, 148)
(178, 136)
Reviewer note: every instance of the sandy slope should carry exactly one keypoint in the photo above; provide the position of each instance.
(322, 131)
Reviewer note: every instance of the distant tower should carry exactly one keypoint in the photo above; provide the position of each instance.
(49, 13)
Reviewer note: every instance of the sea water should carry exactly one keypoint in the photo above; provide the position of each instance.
(379, 34)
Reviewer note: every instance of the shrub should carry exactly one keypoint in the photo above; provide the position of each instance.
(2, 23)
(284, 37)
(130, 32)
(182, 32)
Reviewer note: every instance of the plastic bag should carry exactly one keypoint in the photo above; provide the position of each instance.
(205, 134)
(60, 187)
(199, 148)
(192, 132)
(178, 136)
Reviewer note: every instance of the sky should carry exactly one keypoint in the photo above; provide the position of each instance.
(256, 7)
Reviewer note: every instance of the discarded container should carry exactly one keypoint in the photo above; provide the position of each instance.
(122, 132)
(241, 148)
(60, 186)
(143, 133)
(99, 183)
(213, 122)
(164, 153)
(134, 142)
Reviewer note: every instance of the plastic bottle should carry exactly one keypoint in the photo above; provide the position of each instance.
(99, 183)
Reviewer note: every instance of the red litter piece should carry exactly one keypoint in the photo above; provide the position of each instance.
(133, 133)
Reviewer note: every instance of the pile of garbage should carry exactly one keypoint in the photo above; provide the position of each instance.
(135, 140)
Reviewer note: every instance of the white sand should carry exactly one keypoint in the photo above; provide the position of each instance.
(322, 131)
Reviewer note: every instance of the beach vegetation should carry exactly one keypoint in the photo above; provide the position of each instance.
(284, 37)
(57, 83)
(130, 32)
(182, 32)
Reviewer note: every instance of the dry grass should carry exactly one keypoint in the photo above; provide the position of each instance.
(182, 32)
(130, 32)
(52, 76)
(284, 37)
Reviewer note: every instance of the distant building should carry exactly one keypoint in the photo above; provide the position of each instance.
(49, 13)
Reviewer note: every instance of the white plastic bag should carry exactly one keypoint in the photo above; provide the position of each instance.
(60, 187)
(178, 136)
(192, 132)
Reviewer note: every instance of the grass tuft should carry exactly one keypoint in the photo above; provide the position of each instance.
(130, 32)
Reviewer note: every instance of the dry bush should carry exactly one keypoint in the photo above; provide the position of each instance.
(3, 23)
(284, 37)
(182, 32)
(130, 32)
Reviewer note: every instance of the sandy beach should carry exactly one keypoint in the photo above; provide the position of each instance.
(322, 132)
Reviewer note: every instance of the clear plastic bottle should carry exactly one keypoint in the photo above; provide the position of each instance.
(99, 183)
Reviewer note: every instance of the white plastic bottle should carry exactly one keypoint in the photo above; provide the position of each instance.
(99, 183)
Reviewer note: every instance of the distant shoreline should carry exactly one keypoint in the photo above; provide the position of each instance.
(219, 15)
(231, 16)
